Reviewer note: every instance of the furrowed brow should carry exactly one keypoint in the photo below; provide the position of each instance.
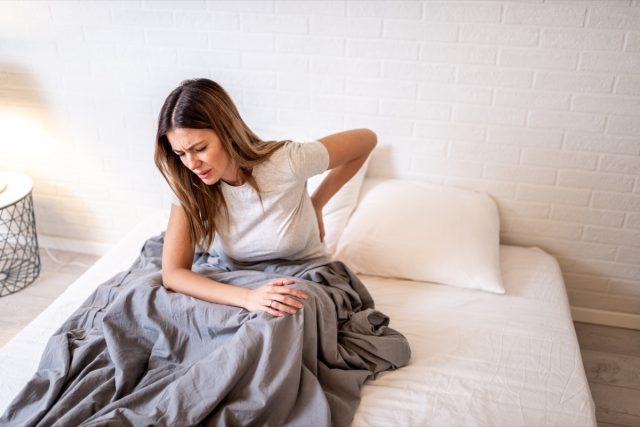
(190, 148)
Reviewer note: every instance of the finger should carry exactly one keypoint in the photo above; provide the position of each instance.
(283, 307)
(269, 307)
(289, 291)
(282, 282)
(285, 300)
(273, 312)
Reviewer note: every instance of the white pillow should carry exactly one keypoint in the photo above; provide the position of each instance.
(338, 209)
(424, 232)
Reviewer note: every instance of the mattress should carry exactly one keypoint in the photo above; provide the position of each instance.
(478, 358)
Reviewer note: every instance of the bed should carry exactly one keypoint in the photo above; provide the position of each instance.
(480, 356)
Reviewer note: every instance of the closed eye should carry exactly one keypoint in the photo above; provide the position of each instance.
(197, 150)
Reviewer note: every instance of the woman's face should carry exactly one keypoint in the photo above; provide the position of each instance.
(202, 152)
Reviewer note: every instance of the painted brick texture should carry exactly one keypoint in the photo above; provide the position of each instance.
(536, 102)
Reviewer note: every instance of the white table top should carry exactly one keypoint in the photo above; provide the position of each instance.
(18, 185)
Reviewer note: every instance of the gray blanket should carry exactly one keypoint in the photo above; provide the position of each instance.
(136, 354)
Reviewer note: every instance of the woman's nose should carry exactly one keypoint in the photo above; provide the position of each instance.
(192, 161)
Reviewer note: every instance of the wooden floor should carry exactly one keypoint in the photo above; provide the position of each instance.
(611, 356)
(59, 270)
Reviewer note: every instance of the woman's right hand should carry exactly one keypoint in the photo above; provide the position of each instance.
(275, 298)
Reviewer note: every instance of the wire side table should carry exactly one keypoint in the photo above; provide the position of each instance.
(19, 254)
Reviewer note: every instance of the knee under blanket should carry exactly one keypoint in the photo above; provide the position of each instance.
(136, 354)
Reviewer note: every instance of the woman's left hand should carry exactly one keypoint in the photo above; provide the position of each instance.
(275, 298)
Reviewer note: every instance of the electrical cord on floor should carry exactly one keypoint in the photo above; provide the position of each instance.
(57, 261)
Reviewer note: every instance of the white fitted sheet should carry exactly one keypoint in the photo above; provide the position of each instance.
(478, 358)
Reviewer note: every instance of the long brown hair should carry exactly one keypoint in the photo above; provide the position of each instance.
(204, 104)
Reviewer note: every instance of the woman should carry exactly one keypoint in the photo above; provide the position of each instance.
(248, 193)
(135, 354)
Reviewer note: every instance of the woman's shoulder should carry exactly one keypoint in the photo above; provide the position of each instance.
(290, 151)
(300, 159)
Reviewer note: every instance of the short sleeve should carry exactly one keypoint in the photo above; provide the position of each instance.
(307, 158)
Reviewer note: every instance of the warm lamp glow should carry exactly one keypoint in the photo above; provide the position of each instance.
(22, 129)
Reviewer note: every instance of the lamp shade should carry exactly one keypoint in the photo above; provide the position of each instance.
(16, 187)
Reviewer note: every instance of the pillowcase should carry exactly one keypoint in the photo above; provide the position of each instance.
(338, 209)
(424, 232)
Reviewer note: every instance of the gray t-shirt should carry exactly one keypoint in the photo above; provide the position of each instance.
(284, 225)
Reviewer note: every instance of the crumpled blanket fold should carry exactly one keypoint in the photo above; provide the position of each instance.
(137, 354)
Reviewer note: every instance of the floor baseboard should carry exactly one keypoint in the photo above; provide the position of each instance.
(70, 245)
(604, 317)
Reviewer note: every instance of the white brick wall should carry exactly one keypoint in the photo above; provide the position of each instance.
(535, 101)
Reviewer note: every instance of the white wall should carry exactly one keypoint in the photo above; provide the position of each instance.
(536, 102)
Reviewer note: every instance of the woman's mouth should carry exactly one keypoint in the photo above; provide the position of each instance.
(204, 175)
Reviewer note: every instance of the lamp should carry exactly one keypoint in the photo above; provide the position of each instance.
(19, 254)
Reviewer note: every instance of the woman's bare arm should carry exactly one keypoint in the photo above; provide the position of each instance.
(348, 151)
(177, 258)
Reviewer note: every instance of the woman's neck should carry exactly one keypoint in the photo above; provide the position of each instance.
(237, 180)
